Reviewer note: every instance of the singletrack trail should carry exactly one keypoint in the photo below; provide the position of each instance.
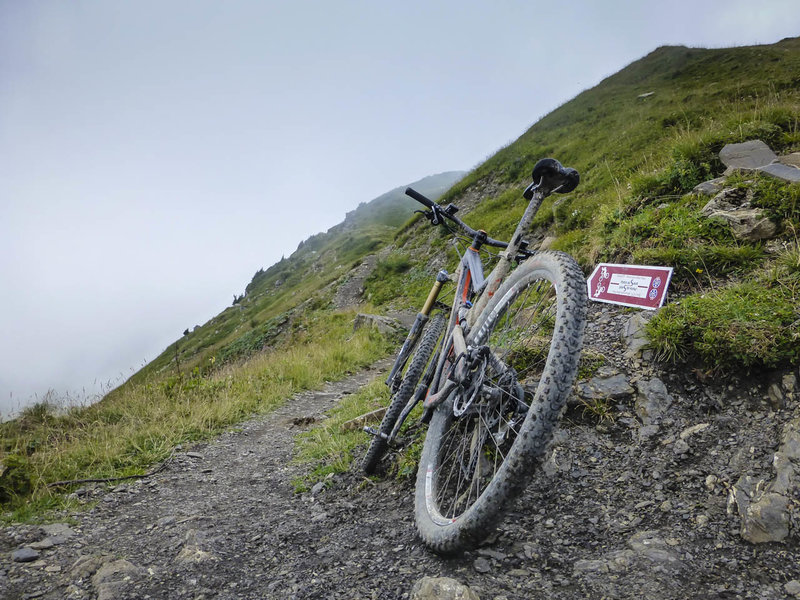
(617, 511)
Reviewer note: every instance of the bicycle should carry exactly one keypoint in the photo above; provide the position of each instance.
(493, 372)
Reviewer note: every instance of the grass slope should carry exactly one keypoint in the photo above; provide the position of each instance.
(642, 139)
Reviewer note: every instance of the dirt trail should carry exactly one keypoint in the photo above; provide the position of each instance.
(612, 514)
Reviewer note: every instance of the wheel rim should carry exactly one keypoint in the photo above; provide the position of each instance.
(480, 422)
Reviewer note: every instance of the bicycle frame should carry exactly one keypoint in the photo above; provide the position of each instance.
(456, 331)
(463, 312)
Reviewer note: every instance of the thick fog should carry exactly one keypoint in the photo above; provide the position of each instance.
(154, 155)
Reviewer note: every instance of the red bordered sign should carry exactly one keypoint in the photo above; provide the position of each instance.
(629, 285)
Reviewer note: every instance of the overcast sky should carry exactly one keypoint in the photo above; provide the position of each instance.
(154, 155)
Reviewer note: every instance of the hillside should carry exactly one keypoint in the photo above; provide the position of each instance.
(642, 139)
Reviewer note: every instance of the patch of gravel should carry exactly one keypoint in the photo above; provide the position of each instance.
(613, 513)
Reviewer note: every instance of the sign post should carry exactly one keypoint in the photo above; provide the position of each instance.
(629, 285)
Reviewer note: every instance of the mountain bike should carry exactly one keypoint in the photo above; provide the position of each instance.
(493, 371)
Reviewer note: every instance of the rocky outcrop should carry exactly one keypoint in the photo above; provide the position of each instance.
(732, 205)
(441, 588)
(755, 156)
(385, 325)
(764, 508)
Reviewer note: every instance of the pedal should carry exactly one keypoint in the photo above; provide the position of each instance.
(374, 432)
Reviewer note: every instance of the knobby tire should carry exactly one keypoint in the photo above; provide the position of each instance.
(474, 464)
(378, 446)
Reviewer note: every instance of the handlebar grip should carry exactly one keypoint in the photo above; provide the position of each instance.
(419, 197)
(553, 176)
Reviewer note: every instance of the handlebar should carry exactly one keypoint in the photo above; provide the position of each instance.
(440, 211)
(549, 176)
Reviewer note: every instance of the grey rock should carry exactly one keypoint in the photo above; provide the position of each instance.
(767, 519)
(58, 529)
(492, 554)
(790, 441)
(385, 325)
(48, 542)
(112, 579)
(789, 382)
(781, 171)
(732, 205)
(693, 430)
(481, 565)
(601, 388)
(784, 474)
(24, 555)
(748, 155)
(649, 545)
(792, 588)
(634, 335)
(620, 560)
(317, 488)
(591, 566)
(167, 521)
(775, 396)
(86, 566)
(680, 447)
(647, 431)
(728, 199)
(711, 187)
(793, 159)
(194, 550)
(441, 588)
(653, 401)
(115, 571)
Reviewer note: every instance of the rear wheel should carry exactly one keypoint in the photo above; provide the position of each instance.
(484, 439)
(378, 446)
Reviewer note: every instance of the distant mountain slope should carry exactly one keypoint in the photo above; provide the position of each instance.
(259, 317)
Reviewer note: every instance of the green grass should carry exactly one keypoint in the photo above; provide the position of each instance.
(755, 325)
(327, 448)
(140, 424)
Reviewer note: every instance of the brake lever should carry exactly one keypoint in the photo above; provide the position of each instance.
(432, 215)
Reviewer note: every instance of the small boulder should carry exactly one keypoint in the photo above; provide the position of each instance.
(747, 155)
(384, 325)
(615, 387)
(767, 519)
(782, 171)
(653, 401)
(24, 555)
(792, 160)
(441, 588)
(711, 187)
(732, 205)
(634, 334)
(112, 579)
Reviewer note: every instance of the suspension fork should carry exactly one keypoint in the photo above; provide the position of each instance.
(416, 329)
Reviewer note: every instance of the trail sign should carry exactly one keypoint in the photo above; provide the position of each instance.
(629, 285)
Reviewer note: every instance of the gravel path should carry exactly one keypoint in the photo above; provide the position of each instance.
(618, 511)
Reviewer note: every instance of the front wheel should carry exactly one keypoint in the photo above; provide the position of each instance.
(484, 439)
(379, 445)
